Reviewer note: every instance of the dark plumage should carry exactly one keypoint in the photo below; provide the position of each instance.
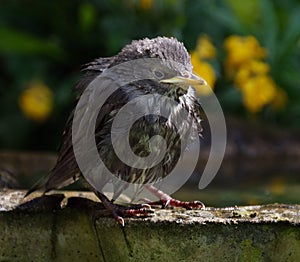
(176, 59)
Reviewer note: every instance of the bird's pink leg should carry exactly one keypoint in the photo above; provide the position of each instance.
(166, 200)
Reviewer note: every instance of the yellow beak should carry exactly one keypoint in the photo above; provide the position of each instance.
(193, 80)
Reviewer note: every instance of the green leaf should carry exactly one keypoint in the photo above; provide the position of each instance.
(291, 35)
(17, 42)
(225, 17)
(246, 11)
(269, 28)
(87, 16)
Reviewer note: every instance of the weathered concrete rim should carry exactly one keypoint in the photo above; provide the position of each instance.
(59, 227)
(11, 200)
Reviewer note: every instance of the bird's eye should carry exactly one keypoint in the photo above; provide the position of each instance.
(186, 74)
(158, 74)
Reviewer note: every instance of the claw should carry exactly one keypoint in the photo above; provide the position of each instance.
(146, 206)
(121, 221)
(167, 203)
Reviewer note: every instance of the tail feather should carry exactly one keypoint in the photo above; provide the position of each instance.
(40, 185)
(52, 181)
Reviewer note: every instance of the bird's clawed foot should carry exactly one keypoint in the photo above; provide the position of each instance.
(119, 212)
(138, 210)
(166, 200)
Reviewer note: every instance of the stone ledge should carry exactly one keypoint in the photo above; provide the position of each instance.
(41, 231)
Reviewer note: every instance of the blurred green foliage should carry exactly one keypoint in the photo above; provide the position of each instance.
(48, 41)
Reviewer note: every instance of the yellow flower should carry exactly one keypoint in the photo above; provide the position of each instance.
(278, 186)
(245, 67)
(258, 92)
(36, 101)
(205, 70)
(250, 69)
(146, 4)
(279, 100)
(241, 50)
(205, 49)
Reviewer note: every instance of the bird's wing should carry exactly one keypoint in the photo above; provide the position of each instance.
(91, 70)
(66, 170)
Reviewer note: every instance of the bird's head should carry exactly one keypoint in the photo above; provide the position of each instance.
(175, 64)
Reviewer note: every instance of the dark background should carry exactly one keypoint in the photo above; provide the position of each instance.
(48, 41)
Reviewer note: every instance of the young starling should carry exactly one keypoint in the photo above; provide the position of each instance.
(176, 83)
